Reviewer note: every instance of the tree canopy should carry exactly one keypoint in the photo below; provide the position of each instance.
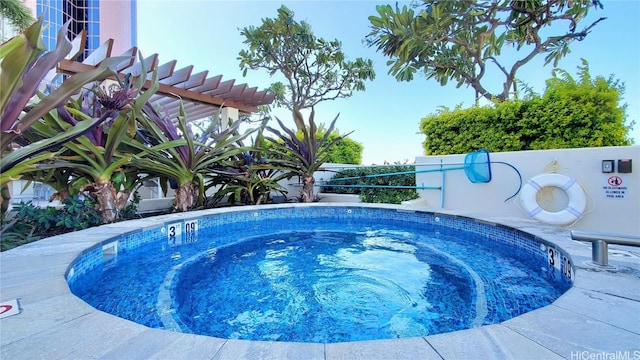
(460, 40)
(315, 69)
(573, 112)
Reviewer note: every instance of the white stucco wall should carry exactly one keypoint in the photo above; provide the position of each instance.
(617, 215)
(326, 172)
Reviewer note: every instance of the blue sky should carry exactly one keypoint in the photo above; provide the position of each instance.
(385, 118)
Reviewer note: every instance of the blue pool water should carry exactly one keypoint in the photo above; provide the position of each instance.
(325, 279)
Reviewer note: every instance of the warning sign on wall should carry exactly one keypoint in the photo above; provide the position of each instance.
(614, 187)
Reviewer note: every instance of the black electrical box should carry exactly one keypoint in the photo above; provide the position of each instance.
(624, 166)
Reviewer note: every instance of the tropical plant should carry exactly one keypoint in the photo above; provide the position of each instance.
(24, 65)
(345, 151)
(97, 155)
(17, 15)
(303, 156)
(64, 180)
(461, 40)
(315, 70)
(174, 154)
(130, 211)
(573, 112)
(251, 177)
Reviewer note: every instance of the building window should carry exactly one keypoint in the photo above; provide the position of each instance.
(83, 14)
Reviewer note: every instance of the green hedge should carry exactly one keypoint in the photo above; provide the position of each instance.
(375, 195)
(572, 113)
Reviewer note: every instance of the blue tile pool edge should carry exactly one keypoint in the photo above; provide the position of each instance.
(131, 239)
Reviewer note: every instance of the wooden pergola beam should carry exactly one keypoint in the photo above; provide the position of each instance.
(201, 95)
(72, 67)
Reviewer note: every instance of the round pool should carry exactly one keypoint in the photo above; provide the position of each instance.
(321, 274)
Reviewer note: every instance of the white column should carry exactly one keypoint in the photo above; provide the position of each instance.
(228, 114)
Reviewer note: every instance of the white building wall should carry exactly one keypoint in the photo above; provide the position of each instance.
(603, 213)
(117, 22)
(617, 215)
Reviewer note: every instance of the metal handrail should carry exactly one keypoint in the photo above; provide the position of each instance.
(442, 170)
(383, 186)
(601, 240)
(398, 173)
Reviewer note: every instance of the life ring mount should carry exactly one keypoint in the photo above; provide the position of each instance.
(577, 200)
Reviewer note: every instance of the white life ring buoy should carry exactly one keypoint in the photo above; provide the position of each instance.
(575, 207)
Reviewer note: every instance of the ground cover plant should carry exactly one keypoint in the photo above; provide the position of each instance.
(28, 222)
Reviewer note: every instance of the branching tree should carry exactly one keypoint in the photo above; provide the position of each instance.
(459, 40)
(315, 69)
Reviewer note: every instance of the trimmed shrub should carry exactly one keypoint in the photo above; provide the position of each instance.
(570, 114)
(376, 195)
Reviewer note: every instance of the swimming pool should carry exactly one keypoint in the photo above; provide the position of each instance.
(545, 271)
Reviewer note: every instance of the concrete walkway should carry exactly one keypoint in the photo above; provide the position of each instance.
(599, 318)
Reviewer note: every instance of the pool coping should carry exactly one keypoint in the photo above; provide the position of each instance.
(598, 316)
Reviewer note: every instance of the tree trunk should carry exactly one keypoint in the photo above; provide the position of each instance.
(185, 196)
(306, 195)
(5, 199)
(61, 195)
(106, 196)
(123, 199)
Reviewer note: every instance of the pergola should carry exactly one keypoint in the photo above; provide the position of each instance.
(201, 95)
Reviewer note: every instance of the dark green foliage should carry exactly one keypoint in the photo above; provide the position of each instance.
(251, 177)
(572, 113)
(16, 13)
(130, 211)
(78, 213)
(345, 151)
(376, 195)
(28, 222)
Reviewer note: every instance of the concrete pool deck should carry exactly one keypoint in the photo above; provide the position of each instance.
(599, 318)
